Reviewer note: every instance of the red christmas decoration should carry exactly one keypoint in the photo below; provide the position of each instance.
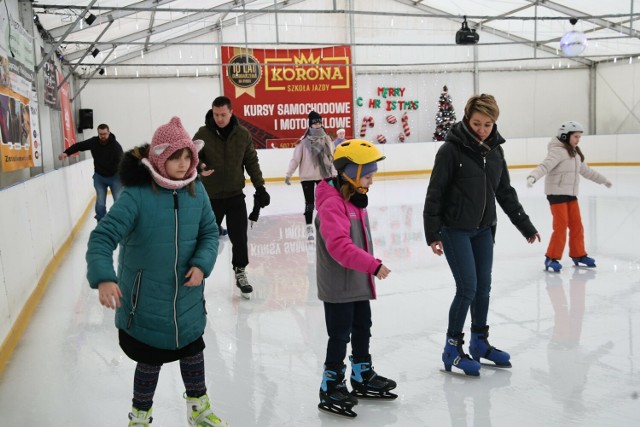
(367, 121)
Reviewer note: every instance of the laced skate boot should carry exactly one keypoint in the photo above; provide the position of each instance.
(554, 264)
(587, 261)
(242, 282)
(138, 418)
(199, 413)
(310, 231)
(367, 383)
(334, 396)
(479, 347)
(454, 355)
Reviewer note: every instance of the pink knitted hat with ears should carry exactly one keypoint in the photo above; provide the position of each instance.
(168, 139)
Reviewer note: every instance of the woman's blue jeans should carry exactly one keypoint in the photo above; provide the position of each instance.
(470, 257)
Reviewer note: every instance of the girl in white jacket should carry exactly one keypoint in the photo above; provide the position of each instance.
(563, 166)
(313, 157)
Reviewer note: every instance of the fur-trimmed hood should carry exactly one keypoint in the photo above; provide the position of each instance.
(132, 172)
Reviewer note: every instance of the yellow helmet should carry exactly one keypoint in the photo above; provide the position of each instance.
(356, 151)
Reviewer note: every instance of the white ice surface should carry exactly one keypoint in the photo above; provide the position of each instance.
(571, 335)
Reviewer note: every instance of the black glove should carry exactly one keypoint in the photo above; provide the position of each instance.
(255, 213)
(262, 197)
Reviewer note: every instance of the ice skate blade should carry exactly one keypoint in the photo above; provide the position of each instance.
(459, 374)
(495, 365)
(337, 410)
(385, 395)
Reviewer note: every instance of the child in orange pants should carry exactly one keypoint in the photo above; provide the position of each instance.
(563, 167)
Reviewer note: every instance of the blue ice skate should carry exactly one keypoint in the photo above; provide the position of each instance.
(587, 261)
(479, 347)
(454, 355)
(553, 264)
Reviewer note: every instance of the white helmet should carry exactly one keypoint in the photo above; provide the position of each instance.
(567, 127)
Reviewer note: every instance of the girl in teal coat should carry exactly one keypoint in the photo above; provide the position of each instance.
(168, 241)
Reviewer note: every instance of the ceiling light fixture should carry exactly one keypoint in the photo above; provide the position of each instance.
(95, 52)
(574, 42)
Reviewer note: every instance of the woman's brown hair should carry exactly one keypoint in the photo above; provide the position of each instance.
(483, 104)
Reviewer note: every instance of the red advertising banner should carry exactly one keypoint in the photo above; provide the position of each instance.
(273, 90)
(66, 114)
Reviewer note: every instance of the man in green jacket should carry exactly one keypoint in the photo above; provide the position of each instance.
(228, 151)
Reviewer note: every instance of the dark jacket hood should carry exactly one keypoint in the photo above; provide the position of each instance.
(132, 172)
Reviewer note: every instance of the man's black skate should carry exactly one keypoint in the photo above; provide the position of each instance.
(242, 282)
(367, 383)
(334, 396)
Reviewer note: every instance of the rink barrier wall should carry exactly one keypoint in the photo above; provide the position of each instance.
(38, 222)
(46, 212)
(416, 158)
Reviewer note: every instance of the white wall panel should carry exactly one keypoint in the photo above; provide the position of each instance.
(534, 104)
(16, 247)
(618, 97)
(134, 109)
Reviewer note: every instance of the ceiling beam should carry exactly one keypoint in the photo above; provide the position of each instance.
(610, 25)
(496, 31)
(197, 33)
(115, 13)
(155, 30)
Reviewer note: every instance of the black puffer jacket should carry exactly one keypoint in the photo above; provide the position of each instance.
(106, 157)
(468, 177)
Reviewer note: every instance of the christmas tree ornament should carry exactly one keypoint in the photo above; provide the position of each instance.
(381, 139)
(391, 119)
(401, 137)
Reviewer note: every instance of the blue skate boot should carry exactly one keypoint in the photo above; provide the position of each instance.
(479, 347)
(334, 396)
(454, 355)
(587, 261)
(553, 264)
(367, 383)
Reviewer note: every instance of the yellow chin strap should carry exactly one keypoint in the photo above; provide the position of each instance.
(357, 186)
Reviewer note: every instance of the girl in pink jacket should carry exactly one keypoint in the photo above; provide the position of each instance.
(563, 167)
(345, 271)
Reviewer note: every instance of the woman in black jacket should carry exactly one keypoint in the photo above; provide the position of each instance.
(469, 175)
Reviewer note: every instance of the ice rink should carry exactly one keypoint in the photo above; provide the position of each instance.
(572, 335)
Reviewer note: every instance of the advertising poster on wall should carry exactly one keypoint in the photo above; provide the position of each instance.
(66, 114)
(50, 75)
(16, 85)
(273, 90)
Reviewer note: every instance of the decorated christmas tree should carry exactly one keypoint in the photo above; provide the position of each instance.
(446, 117)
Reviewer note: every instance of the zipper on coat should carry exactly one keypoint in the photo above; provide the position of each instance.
(134, 297)
(175, 266)
(484, 203)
